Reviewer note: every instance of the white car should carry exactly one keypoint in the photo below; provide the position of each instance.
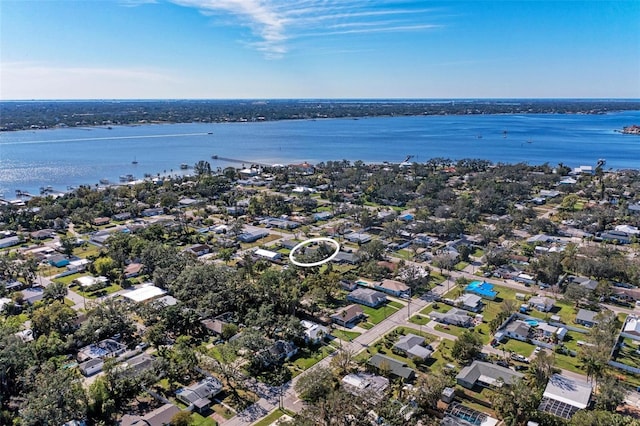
(537, 349)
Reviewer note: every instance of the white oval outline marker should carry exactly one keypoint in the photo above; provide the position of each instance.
(314, 240)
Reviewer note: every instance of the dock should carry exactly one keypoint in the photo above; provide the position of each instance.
(235, 160)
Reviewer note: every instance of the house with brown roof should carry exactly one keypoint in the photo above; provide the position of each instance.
(133, 270)
(348, 316)
(99, 221)
(393, 287)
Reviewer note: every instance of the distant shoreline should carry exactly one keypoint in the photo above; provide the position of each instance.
(37, 115)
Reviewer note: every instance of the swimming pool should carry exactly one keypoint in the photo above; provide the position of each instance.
(482, 289)
(532, 323)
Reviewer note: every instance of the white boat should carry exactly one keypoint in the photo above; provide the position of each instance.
(104, 181)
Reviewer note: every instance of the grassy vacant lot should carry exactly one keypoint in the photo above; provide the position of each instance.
(437, 307)
(69, 278)
(419, 319)
(522, 348)
(345, 334)
(376, 315)
(112, 288)
(86, 250)
(275, 415)
(628, 354)
(307, 357)
(565, 311)
(453, 330)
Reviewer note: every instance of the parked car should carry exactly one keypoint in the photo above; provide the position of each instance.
(503, 364)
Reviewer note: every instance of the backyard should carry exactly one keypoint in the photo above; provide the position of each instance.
(377, 315)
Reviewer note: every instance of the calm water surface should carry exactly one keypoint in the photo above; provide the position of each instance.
(30, 160)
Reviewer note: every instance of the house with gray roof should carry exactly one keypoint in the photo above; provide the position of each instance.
(395, 367)
(542, 304)
(564, 396)
(585, 282)
(486, 374)
(367, 297)
(199, 395)
(518, 330)
(454, 316)
(367, 384)
(469, 302)
(586, 317)
(411, 346)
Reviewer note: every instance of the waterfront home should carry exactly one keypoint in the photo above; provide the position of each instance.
(564, 396)
(367, 297)
(586, 318)
(486, 374)
(398, 368)
(348, 315)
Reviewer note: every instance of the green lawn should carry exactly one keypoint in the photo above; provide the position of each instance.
(453, 330)
(345, 334)
(569, 363)
(404, 254)
(86, 250)
(112, 288)
(377, 315)
(272, 417)
(438, 307)
(69, 278)
(628, 355)
(461, 265)
(419, 319)
(522, 348)
(478, 253)
(199, 420)
(395, 304)
(307, 358)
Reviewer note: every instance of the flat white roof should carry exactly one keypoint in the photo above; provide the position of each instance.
(569, 391)
(266, 253)
(87, 280)
(146, 292)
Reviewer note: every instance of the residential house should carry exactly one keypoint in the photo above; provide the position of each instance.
(348, 285)
(33, 294)
(91, 367)
(393, 287)
(564, 396)
(632, 326)
(121, 216)
(9, 241)
(281, 350)
(154, 211)
(366, 384)
(267, 254)
(88, 281)
(42, 234)
(100, 221)
(367, 297)
(106, 348)
(584, 282)
(542, 304)
(586, 318)
(469, 302)
(453, 316)
(58, 260)
(397, 368)
(200, 394)
(314, 333)
(486, 374)
(198, 249)
(144, 293)
(518, 330)
(411, 346)
(615, 236)
(358, 237)
(343, 257)
(133, 270)
(322, 215)
(161, 416)
(214, 326)
(549, 330)
(252, 234)
(348, 316)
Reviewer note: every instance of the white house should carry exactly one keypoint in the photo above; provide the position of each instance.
(313, 332)
(267, 254)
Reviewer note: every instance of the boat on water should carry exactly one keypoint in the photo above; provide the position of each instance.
(184, 166)
(135, 161)
(209, 133)
(104, 181)
(127, 178)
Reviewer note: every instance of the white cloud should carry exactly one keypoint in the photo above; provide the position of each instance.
(274, 23)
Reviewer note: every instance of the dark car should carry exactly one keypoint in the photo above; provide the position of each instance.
(503, 364)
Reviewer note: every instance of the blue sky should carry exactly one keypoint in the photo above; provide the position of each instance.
(318, 49)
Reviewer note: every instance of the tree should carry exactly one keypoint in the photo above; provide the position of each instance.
(202, 168)
(374, 249)
(182, 418)
(68, 244)
(343, 362)
(315, 384)
(55, 291)
(56, 317)
(55, 397)
(515, 404)
(466, 347)
(610, 394)
(601, 418)
(428, 390)
(541, 368)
